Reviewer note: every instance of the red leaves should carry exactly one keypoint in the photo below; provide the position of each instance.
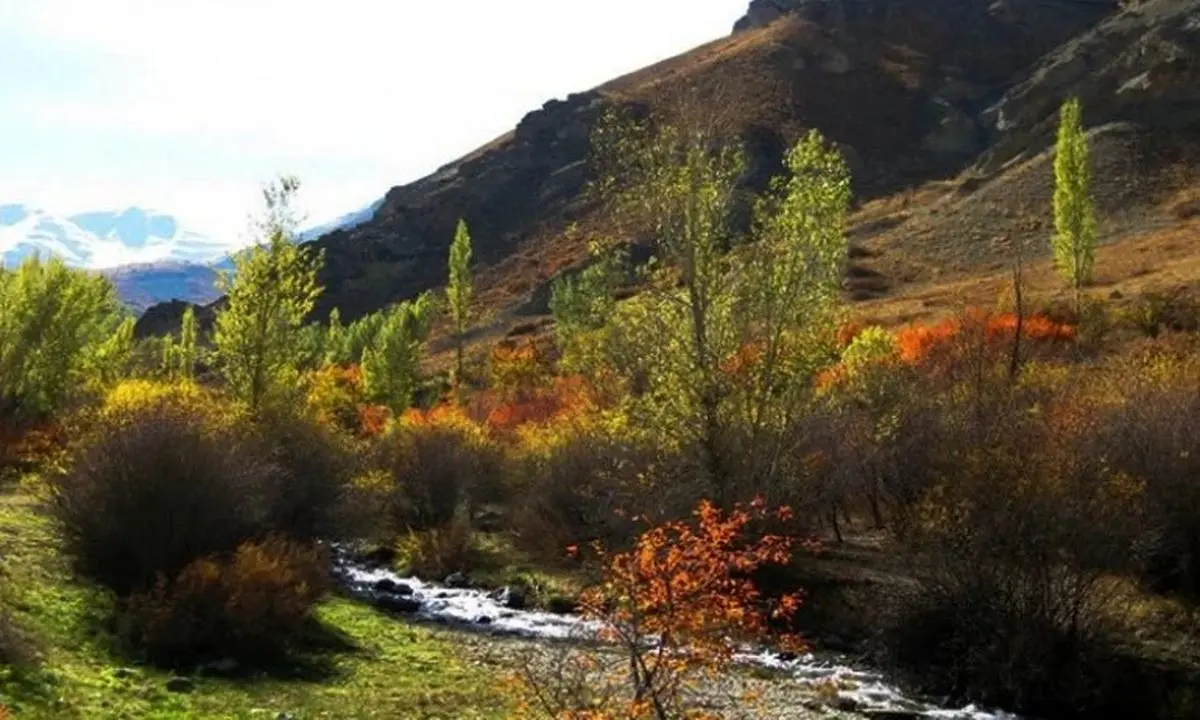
(921, 343)
(689, 584)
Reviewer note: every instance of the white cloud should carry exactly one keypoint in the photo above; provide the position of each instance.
(377, 91)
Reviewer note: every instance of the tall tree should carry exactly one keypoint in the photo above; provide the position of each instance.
(270, 293)
(726, 331)
(459, 295)
(1074, 241)
(335, 339)
(391, 362)
(179, 358)
(582, 304)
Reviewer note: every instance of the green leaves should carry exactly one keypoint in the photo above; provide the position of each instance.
(1074, 240)
(179, 358)
(269, 295)
(391, 360)
(59, 329)
(725, 337)
(459, 292)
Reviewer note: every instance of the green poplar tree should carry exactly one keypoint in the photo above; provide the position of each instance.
(179, 358)
(1074, 241)
(391, 362)
(459, 295)
(61, 331)
(729, 329)
(335, 339)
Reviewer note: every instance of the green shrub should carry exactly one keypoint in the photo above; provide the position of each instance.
(252, 607)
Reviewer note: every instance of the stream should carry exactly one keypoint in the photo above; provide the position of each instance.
(496, 613)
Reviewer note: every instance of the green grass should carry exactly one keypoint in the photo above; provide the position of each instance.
(385, 668)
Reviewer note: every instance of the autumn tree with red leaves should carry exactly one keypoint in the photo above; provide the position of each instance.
(677, 608)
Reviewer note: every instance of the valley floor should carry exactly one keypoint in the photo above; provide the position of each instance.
(372, 665)
(380, 668)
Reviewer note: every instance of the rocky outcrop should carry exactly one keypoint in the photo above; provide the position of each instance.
(502, 191)
(164, 318)
(1140, 66)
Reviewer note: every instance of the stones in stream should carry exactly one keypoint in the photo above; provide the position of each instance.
(397, 603)
(862, 692)
(510, 597)
(391, 587)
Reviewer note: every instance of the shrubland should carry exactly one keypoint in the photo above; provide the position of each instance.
(688, 453)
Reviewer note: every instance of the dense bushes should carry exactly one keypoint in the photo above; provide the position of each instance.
(163, 475)
(439, 463)
(249, 607)
(584, 482)
(314, 469)
(1015, 556)
(202, 518)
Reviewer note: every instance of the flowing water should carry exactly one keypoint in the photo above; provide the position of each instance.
(480, 611)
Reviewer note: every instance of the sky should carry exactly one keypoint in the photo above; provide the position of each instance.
(189, 106)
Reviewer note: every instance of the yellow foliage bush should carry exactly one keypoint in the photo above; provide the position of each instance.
(130, 397)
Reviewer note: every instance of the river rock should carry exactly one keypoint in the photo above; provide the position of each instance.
(456, 580)
(560, 605)
(397, 604)
(893, 714)
(510, 597)
(387, 585)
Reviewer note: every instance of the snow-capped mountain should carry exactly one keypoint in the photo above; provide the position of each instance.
(103, 239)
(345, 222)
(148, 255)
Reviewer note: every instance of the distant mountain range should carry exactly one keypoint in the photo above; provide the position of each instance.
(150, 256)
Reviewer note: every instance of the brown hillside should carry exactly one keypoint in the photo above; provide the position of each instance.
(945, 110)
(897, 83)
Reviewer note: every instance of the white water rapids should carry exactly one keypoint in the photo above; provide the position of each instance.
(480, 611)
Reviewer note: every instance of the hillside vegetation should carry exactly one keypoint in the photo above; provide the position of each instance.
(778, 401)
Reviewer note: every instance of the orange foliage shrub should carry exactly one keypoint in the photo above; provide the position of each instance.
(747, 356)
(249, 607)
(373, 419)
(678, 604)
(919, 344)
(847, 332)
(562, 398)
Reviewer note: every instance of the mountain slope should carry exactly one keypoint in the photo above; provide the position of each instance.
(899, 84)
(144, 285)
(945, 110)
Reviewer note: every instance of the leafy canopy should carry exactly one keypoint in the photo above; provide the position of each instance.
(272, 290)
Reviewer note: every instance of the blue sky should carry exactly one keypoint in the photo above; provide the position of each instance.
(187, 106)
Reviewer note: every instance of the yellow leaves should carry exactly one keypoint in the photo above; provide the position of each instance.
(131, 396)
